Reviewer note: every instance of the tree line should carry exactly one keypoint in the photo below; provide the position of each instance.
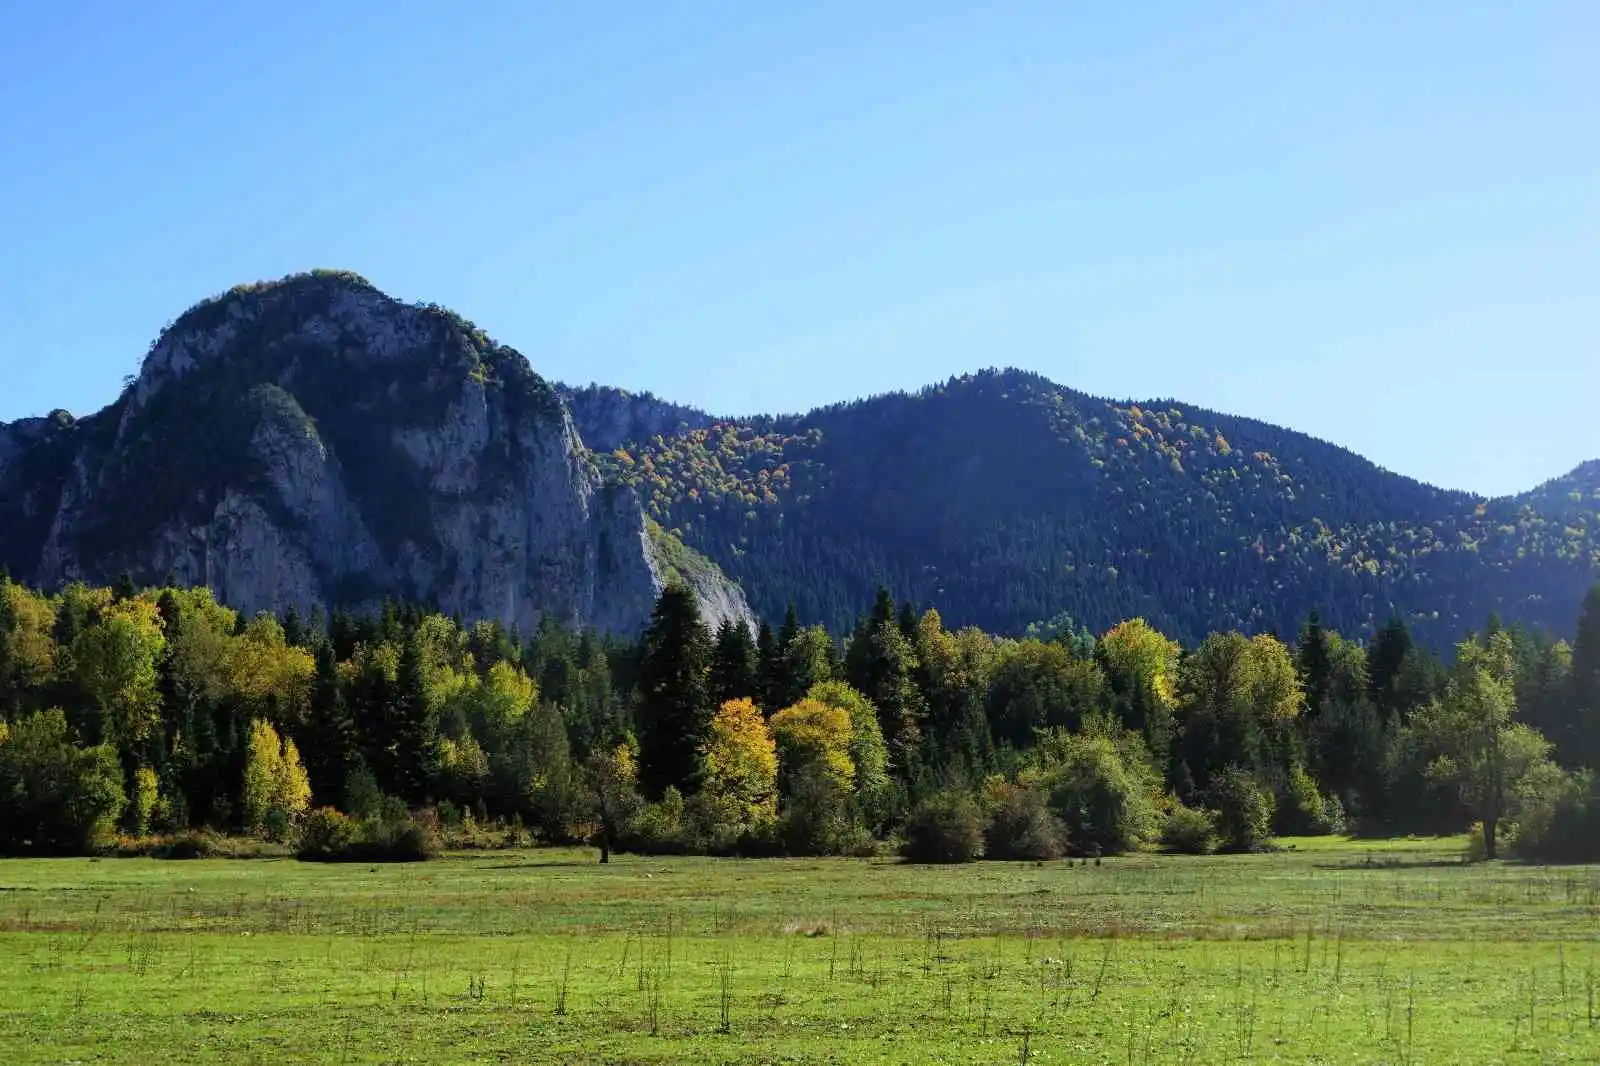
(136, 713)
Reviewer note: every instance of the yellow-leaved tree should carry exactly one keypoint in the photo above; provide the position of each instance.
(276, 790)
(812, 736)
(740, 783)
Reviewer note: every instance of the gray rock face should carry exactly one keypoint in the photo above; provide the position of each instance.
(314, 442)
(609, 418)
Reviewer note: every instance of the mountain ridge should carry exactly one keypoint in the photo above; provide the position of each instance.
(1074, 460)
(313, 440)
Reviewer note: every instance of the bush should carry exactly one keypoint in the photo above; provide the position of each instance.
(1021, 825)
(1305, 812)
(1244, 811)
(658, 828)
(329, 836)
(947, 828)
(190, 844)
(1189, 831)
(1568, 832)
(1102, 791)
(326, 833)
(817, 817)
(55, 796)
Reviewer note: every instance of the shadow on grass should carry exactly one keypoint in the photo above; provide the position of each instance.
(1393, 864)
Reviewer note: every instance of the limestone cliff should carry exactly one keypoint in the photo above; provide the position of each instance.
(314, 442)
(609, 418)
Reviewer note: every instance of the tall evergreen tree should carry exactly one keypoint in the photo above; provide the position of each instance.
(415, 724)
(1315, 665)
(734, 666)
(1386, 663)
(881, 664)
(1585, 682)
(767, 666)
(330, 736)
(674, 699)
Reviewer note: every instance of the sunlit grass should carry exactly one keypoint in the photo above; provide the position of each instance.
(1329, 952)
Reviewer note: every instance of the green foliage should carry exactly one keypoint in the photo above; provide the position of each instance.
(55, 796)
(1189, 830)
(674, 702)
(944, 828)
(1101, 786)
(1020, 824)
(1244, 811)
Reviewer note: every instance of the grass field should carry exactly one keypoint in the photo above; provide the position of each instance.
(1334, 952)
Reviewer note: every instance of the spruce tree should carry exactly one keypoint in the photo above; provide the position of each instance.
(1386, 665)
(330, 750)
(674, 699)
(415, 725)
(1314, 663)
(1585, 680)
(767, 666)
(734, 667)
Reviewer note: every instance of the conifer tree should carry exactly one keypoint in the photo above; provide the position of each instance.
(674, 701)
(415, 724)
(734, 666)
(331, 742)
(1585, 680)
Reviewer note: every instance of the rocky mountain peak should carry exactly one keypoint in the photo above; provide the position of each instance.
(313, 441)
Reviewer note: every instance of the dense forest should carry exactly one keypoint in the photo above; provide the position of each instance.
(1003, 500)
(149, 714)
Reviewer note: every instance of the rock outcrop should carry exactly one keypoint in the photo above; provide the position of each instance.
(609, 418)
(314, 442)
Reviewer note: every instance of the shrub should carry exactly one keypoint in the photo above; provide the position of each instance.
(1021, 825)
(1244, 811)
(190, 844)
(1305, 812)
(1102, 788)
(1189, 831)
(946, 828)
(1569, 831)
(326, 833)
(54, 795)
(817, 818)
(393, 836)
(658, 827)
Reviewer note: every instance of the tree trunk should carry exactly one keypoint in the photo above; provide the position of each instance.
(605, 850)
(1490, 831)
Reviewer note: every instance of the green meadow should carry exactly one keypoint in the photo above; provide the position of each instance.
(1328, 951)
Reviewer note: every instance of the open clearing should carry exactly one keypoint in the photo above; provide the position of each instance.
(1334, 952)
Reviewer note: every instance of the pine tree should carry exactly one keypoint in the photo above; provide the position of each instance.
(674, 702)
(881, 664)
(1386, 665)
(415, 725)
(1314, 663)
(734, 667)
(1585, 679)
(767, 666)
(331, 742)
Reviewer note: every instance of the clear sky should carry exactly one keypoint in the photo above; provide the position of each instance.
(1377, 222)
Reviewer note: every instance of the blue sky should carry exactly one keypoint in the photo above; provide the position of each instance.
(1375, 222)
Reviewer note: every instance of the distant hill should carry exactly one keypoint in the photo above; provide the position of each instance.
(1003, 499)
(312, 441)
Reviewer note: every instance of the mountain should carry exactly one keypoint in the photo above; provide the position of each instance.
(314, 442)
(1005, 500)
